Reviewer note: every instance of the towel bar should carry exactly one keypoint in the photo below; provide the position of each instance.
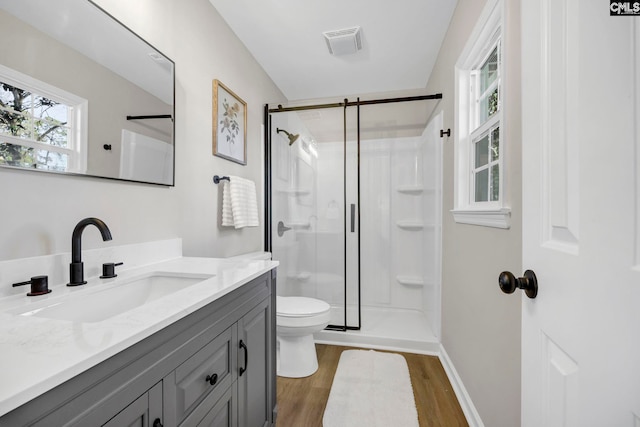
(217, 179)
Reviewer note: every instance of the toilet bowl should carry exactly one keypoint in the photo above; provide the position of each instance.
(297, 318)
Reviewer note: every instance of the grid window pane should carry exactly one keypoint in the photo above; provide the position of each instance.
(489, 70)
(495, 184)
(495, 144)
(6, 94)
(482, 151)
(48, 109)
(52, 161)
(482, 185)
(37, 131)
(14, 124)
(21, 156)
(16, 155)
(51, 133)
(15, 98)
(488, 106)
(27, 115)
(487, 92)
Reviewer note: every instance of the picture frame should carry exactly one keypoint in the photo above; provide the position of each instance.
(229, 124)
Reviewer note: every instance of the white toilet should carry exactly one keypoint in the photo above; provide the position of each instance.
(297, 318)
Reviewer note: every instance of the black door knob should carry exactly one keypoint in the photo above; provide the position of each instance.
(509, 283)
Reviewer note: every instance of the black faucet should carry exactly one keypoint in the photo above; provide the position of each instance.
(76, 268)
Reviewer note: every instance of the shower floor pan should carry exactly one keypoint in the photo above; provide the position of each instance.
(386, 329)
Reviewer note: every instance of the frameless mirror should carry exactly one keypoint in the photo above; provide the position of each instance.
(82, 94)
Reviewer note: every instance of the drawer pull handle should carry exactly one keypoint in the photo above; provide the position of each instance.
(213, 379)
(157, 423)
(246, 357)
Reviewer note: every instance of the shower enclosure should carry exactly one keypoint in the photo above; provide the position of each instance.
(353, 216)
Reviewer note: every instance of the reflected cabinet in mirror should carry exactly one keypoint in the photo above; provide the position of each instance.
(82, 94)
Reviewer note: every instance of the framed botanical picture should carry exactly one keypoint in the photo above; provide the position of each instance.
(229, 124)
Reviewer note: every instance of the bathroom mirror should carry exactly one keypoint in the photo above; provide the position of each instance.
(82, 94)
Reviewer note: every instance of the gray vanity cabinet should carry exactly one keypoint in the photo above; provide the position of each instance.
(215, 367)
(253, 384)
(241, 356)
(144, 411)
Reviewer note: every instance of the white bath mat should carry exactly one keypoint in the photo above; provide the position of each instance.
(371, 389)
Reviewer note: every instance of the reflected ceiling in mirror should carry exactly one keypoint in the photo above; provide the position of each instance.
(82, 94)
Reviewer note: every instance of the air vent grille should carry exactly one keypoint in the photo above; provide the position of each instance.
(343, 42)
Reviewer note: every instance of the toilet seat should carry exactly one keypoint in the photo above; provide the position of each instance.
(294, 307)
(301, 312)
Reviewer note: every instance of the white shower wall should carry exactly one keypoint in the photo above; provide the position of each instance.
(399, 228)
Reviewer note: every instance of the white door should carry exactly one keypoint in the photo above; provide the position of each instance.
(581, 214)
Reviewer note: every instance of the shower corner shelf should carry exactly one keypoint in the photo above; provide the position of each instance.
(410, 280)
(414, 224)
(415, 281)
(295, 191)
(407, 224)
(302, 276)
(410, 189)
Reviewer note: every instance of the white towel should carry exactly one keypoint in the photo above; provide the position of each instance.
(239, 203)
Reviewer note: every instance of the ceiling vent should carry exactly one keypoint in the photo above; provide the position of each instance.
(343, 42)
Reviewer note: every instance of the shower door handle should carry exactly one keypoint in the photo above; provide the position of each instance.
(282, 228)
(353, 217)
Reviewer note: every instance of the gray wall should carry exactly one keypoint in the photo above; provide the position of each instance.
(39, 211)
(480, 325)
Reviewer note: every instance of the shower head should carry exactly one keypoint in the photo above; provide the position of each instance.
(292, 138)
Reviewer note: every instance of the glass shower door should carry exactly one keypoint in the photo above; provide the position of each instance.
(313, 197)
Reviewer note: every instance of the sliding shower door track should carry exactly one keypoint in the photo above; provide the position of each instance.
(342, 328)
(347, 103)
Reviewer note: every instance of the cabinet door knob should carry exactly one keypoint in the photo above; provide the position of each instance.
(213, 379)
(157, 423)
(509, 283)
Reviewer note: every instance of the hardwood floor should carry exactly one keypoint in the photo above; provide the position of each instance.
(301, 401)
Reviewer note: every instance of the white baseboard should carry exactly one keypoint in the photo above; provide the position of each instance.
(470, 412)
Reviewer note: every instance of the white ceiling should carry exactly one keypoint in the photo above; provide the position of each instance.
(87, 29)
(400, 38)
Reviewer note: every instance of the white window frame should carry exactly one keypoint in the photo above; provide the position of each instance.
(487, 32)
(77, 119)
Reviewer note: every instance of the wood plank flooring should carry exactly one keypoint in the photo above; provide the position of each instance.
(301, 401)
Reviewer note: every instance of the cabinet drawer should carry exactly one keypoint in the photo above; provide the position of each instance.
(209, 371)
(211, 413)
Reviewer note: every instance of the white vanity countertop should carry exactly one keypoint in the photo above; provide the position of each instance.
(38, 354)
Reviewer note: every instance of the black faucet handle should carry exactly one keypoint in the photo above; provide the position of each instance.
(39, 285)
(109, 270)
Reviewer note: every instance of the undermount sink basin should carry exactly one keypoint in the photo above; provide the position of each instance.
(113, 299)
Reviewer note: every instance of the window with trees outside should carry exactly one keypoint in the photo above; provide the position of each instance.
(485, 136)
(479, 143)
(41, 126)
